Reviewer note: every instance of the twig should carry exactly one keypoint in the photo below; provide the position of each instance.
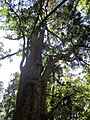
(54, 34)
(10, 37)
(9, 55)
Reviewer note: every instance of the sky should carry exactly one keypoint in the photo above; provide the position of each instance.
(8, 67)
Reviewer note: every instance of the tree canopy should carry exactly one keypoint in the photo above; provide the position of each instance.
(55, 42)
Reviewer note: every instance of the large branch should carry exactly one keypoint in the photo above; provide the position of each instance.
(51, 64)
(39, 14)
(48, 15)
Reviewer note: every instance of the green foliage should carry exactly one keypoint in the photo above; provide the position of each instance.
(85, 5)
(8, 103)
(69, 98)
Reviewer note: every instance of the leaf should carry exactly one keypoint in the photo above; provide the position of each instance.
(4, 11)
(84, 5)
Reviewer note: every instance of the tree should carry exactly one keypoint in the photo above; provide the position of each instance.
(55, 35)
(68, 99)
(8, 103)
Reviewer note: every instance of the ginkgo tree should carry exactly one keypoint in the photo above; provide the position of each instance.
(55, 36)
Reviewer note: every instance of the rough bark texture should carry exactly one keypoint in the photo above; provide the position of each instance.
(32, 87)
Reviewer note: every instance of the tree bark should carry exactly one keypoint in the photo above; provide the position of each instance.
(31, 99)
(30, 104)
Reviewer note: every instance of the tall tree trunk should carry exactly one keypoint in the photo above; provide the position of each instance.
(31, 96)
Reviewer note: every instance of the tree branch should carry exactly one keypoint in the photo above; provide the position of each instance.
(38, 14)
(11, 38)
(51, 63)
(12, 10)
(54, 34)
(48, 15)
(9, 55)
(63, 98)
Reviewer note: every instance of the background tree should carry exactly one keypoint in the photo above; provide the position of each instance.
(55, 39)
(8, 103)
